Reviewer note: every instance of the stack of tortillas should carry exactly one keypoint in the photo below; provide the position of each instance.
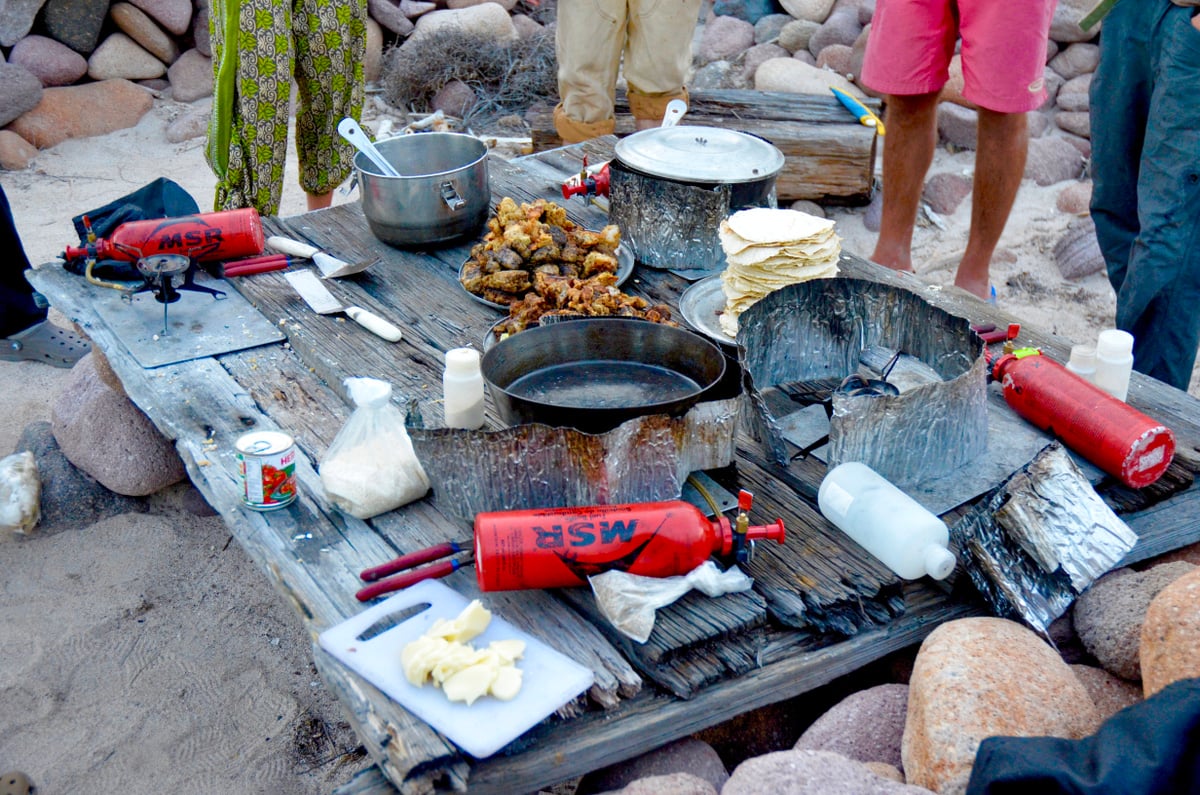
(766, 249)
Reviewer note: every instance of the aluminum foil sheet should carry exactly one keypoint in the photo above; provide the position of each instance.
(820, 328)
(1040, 539)
(670, 225)
(537, 466)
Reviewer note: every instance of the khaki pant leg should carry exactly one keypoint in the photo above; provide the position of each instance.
(659, 53)
(589, 40)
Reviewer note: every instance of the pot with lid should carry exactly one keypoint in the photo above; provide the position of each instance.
(670, 188)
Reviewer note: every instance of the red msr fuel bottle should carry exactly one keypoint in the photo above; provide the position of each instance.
(562, 547)
(205, 237)
(1108, 432)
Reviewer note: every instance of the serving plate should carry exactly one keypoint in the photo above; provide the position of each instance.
(625, 262)
(701, 305)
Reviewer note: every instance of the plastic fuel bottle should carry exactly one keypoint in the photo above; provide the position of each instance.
(462, 389)
(892, 526)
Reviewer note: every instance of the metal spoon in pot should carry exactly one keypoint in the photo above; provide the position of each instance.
(348, 128)
(675, 110)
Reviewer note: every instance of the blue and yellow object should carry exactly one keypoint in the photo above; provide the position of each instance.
(860, 111)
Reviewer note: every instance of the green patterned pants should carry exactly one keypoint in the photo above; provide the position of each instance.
(322, 44)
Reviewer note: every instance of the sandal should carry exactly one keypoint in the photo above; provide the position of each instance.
(45, 342)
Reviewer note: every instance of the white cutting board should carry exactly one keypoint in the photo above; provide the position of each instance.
(550, 679)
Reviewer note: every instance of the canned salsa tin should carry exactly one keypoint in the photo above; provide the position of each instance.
(267, 464)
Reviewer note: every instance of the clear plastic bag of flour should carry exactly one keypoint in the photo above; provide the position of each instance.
(371, 467)
(630, 601)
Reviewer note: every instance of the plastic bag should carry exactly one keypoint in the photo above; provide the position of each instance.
(371, 467)
(629, 601)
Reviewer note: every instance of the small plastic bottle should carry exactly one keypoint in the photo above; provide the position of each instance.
(886, 522)
(1114, 361)
(1083, 362)
(462, 389)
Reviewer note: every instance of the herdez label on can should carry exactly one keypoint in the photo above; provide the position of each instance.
(267, 464)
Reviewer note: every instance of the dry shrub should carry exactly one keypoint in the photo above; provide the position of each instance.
(507, 77)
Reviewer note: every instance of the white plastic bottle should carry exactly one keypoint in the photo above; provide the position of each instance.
(1083, 361)
(462, 389)
(886, 522)
(1114, 361)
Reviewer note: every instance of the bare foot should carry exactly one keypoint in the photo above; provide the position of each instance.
(978, 288)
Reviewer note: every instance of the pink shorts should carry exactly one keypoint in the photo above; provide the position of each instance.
(1003, 49)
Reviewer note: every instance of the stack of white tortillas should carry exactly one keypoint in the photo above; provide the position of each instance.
(766, 249)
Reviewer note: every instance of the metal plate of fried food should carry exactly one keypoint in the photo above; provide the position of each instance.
(701, 305)
(625, 262)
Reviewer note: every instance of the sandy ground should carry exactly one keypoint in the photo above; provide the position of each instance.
(145, 653)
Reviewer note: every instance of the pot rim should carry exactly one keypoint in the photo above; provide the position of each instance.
(387, 142)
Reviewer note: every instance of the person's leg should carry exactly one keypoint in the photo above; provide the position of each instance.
(1120, 107)
(589, 38)
(657, 56)
(999, 166)
(1003, 60)
(261, 107)
(18, 307)
(1158, 298)
(911, 123)
(331, 44)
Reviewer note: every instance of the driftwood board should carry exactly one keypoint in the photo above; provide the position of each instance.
(830, 609)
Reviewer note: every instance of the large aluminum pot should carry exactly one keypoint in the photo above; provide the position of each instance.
(594, 374)
(442, 195)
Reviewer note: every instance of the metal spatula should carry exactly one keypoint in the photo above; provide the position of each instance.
(321, 301)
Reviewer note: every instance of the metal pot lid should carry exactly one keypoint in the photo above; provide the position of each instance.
(700, 154)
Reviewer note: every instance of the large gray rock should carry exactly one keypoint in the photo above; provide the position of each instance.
(76, 23)
(1077, 253)
(724, 38)
(1052, 159)
(810, 773)
(202, 37)
(758, 55)
(141, 28)
(1109, 693)
(841, 28)
(1108, 615)
(837, 58)
(795, 35)
(20, 92)
(981, 677)
(808, 10)
(103, 433)
(1064, 27)
(1075, 198)
(15, 152)
(121, 58)
(174, 15)
(191, 77)
(670, 784)
(682, 756)
(193, 124)
(1170, 643)
(487, 20)
(945, 191)
(957, 125)
(82, 111)
(71, 499)
(797, 77)
(1079, 122)
(16, 20)
(1077, 59)
(766, 29)
(866, 726)
(390, 17)
(718, 74)
(1073, 96)
(50, 61)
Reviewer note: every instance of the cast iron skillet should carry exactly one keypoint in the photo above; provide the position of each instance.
(596, 373)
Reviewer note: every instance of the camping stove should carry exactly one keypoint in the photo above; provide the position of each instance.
(164, 275)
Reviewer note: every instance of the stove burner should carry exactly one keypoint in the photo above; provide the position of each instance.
(159, 275)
